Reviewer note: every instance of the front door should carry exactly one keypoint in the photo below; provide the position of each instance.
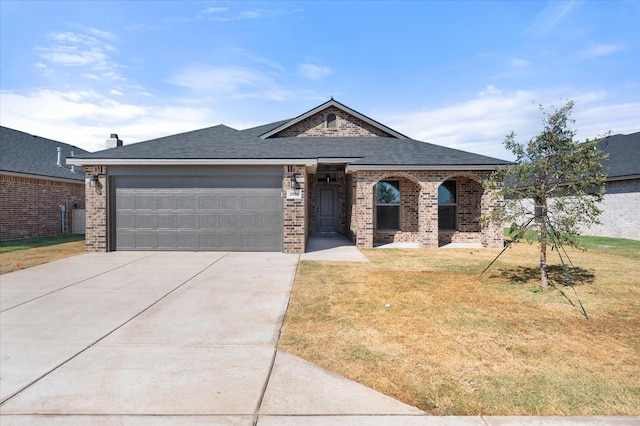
(326, 209)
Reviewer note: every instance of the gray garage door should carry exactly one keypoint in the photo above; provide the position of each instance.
(214, 212)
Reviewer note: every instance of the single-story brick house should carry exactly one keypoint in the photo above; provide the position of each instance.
(621, 202)
(267, 188)
(34, 183)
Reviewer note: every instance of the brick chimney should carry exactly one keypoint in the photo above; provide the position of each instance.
(113, 141)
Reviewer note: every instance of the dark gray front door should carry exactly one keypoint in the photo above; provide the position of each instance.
(227, 209)
(326, 209)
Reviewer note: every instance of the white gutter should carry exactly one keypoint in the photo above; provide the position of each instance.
(617, 178)
(408, 167)
(190, 162)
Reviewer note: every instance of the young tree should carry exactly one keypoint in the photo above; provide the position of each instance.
(554, 182)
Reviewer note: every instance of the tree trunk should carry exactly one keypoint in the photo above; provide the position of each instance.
(544, 279)
(542, 223)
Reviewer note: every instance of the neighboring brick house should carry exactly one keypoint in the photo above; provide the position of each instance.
(329, 170)
(620, 216)
(34, 183)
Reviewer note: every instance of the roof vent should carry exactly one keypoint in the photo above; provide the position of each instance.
(113, 141)
(73, 167)
(59, 162)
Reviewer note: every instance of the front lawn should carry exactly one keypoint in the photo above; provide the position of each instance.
(22, 254)
(422, 326)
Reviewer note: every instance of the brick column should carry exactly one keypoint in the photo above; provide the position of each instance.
(492, 233)
(96, 209)
(428, 213)
(294, 212)
(362, 218)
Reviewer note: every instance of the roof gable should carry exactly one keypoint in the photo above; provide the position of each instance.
(350, 123)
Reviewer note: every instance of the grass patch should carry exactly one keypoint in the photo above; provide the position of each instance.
(21, 254)
(453, 342)
(9, 246)
(617, 246)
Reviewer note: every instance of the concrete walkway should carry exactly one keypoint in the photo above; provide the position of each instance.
(332, 248)
(138, 338)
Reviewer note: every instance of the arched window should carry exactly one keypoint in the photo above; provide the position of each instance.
(448, 205)
(388, 204)
(331, 121)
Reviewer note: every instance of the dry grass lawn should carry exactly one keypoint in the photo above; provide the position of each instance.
(27, 257)
(456, 343)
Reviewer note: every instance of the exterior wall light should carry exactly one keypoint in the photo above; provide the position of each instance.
(294, 181)
(93, 181)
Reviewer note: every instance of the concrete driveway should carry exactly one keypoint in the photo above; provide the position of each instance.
(165, 338)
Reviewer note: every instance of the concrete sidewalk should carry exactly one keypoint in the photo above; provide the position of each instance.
(177, 339)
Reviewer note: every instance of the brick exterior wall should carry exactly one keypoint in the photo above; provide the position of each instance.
(472, 200)
(30, 207)
(295, 212)
(316, 125)
(619, 217)
(96, 215)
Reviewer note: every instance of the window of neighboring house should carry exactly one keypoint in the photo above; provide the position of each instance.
(388, 204)
(331, 121)
(448, 205)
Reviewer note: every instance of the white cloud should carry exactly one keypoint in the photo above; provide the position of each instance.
(313, 72)
(550, 17)
(116, 92)
(480, 124)
(518, 63)
(214, 10)
(87, 51)
(220, 79)
(86, 119)
(598, 50)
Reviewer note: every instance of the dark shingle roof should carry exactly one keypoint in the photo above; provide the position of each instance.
(24, 153)
(222, 142)
(624, 155)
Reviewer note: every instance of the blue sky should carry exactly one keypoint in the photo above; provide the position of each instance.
(459, 74)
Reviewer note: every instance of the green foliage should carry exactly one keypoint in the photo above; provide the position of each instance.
(565, 179)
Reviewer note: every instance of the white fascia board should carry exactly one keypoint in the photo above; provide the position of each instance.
(334, 103)
(355, 167)
(191, 162)
(42, 177)
(337, 160)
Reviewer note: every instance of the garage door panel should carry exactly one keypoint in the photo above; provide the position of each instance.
(189, 221)
(167, 241)
(146, 222)
(188, 240)
(229, 221)
(167, 221)
(199, 213)
(209, 202)
(167, 202)
(146, 240)
(229, 202)
(209, 222)
(126, 220)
